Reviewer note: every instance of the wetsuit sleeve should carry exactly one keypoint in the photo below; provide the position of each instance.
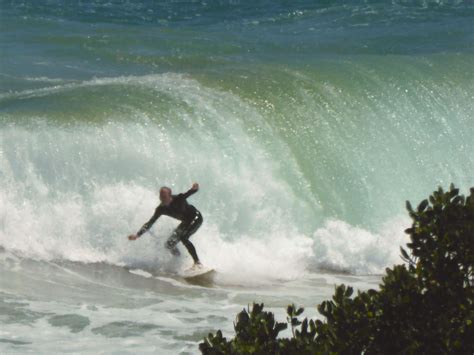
(189, 193)
(152, 220)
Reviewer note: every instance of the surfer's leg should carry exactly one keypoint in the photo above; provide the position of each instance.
(174, 240)
(188, 232)
(192, 250)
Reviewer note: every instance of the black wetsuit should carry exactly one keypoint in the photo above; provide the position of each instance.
(190, 217)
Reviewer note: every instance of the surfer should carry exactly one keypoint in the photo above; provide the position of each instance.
(177, 207)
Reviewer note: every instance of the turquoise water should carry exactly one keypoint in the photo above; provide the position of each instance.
(307, 124)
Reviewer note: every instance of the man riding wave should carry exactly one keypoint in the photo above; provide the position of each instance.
(177, 207)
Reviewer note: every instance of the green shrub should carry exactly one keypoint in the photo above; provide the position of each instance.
(422, 307)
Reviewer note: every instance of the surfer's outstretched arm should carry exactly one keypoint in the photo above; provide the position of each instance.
(150, 223)
(147, 225)
(192, 190)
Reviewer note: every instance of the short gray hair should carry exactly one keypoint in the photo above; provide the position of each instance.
(165, 188)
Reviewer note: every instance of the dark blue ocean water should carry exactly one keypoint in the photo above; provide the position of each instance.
(85, 38)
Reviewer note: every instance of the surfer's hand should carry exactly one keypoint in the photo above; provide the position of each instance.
(195, 186)
(133, 237)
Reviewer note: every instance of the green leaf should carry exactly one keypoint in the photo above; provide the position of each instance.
(295, 321)
(453, 193)
(349, 291)
(404, 254)
(299, 311)
(290, 309)
(422, 206)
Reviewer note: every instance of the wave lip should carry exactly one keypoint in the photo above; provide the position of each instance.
(152, 81)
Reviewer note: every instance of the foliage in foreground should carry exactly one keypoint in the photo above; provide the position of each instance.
(423, 307)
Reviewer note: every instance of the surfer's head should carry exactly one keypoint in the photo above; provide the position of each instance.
(165, 195)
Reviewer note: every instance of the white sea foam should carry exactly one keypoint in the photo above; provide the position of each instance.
(95, 231)
(339, 246)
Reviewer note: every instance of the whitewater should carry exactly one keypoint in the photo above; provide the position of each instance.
(307, 125)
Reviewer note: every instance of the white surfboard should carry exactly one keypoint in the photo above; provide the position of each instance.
(196, 271)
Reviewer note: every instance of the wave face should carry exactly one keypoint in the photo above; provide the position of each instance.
(307, 126)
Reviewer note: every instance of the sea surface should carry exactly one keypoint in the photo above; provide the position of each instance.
(307, 124)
